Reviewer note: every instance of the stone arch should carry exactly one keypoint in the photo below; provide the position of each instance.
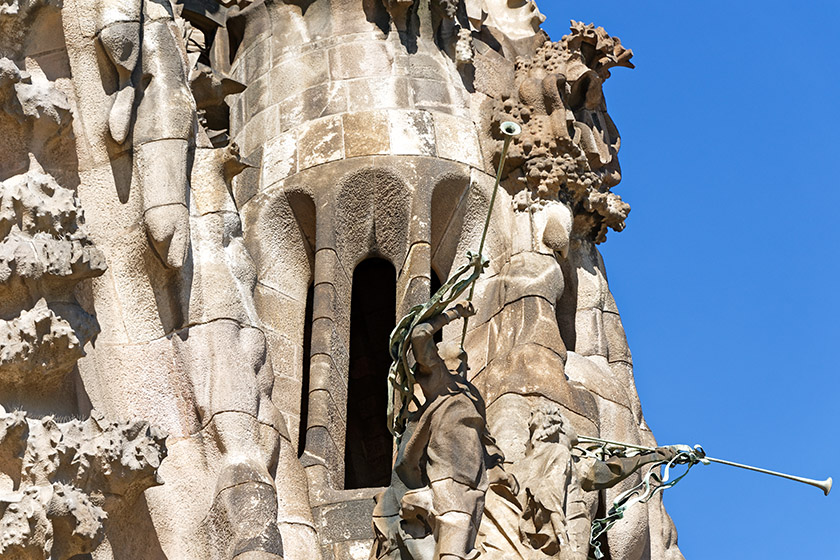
(366, 215)
(372, 213)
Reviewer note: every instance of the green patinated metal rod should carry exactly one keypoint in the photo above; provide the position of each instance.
(824, 485)
(509, 129)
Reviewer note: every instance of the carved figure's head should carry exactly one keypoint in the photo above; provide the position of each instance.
(455, 358)
(548, 425)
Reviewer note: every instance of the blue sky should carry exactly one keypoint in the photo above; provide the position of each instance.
(727, 271)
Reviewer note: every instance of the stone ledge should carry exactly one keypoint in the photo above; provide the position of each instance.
(395, 132)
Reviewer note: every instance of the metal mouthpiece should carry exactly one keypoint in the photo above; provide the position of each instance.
(511, 128)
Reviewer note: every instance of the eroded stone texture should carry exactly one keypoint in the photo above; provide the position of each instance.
(43, 242)
(45, 251)
(236, 161)
(61, 482)
(44, 254)
(137, 154)
(569, 145)
(40, 347)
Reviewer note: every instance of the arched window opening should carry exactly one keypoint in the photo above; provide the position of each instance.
(369, 445)
(304, 381)
(434, 286)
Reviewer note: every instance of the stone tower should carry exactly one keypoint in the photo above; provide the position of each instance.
(217, 211)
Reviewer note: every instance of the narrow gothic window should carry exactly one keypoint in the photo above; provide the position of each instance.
(304, 381)
(369, 445)
(434, 285)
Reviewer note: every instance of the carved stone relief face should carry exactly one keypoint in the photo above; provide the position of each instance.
(548, 425)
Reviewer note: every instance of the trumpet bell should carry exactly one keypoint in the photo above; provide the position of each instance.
(825, 485)
(510, 128)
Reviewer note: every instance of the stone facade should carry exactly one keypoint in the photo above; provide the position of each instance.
(192, 193)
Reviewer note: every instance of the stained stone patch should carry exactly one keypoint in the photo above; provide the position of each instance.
(381, 93)
(360, 59)
(366, 133)
(412, 133)
(456, 140)
(281, 159)
(320, 141)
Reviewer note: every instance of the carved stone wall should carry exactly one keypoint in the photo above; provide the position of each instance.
(236, 159)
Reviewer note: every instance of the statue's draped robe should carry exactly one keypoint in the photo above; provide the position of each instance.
(441, 468)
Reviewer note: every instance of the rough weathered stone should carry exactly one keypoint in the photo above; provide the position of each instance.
(68, 478)
(237, 161)
(569, 145)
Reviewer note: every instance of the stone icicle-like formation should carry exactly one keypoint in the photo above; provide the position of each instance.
(62, 483)
(272, 184)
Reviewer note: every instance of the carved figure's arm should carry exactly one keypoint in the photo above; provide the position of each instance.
(606, 474)
(422, 337)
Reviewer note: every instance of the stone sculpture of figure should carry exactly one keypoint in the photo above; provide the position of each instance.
(572, 349)
(445, 462)
(553, 512)
(153, 92)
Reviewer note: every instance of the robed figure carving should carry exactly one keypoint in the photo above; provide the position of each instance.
(445, 462)
(450, 496)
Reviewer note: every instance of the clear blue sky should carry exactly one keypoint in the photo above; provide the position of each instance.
(727, 273)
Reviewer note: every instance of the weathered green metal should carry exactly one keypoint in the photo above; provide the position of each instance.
(652, 482)
(509, 129)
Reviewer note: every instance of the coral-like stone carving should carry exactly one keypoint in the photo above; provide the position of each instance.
(210, 87)
(42, 234)
(26, 100)
(38, 347)
(44, 253)
(60, 481)
(569, 146)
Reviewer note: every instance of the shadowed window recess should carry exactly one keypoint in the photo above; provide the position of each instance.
(369, 445)
(307, 351)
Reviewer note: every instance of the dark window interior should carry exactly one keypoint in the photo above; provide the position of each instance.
(307, 350)
(434, 286)
(369, 445)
